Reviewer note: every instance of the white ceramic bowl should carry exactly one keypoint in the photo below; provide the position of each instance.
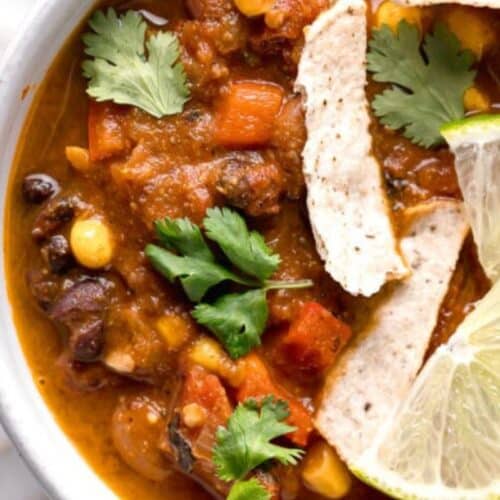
(27, 420)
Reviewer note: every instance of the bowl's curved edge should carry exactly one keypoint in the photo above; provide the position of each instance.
(41, 443)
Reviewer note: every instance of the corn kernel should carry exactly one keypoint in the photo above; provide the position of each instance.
(193, 415)
(92, 243)
(323, 472)
(391, 14)
(174, 330)
(472, 28)
(79, 158)
(252, 8)
(475, 100)
(209, 354)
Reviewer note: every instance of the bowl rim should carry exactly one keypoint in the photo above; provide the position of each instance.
(56, 484)
(7, 417)
(18, 44)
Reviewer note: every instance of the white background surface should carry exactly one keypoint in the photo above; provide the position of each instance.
(16, 482)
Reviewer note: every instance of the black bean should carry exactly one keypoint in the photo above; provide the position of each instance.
(43, 287)
(39, 187)
(87, 341)
(57, 253)
(53, 216)
(80, 310)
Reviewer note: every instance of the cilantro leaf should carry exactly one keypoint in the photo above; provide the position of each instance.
(237, 320)
(246, 442)
(196, 275)
(246, 249)
(184, 237)
(126, 69)
(248, 490)
(428, 88)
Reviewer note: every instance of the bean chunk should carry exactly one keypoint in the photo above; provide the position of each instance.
(58, 254)
(39, 187)
(81, 311)
(53, 216)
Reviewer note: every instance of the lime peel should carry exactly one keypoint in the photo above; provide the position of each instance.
(475, 143)
(478, 129)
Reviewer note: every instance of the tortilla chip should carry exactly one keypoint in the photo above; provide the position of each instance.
(347, 200)
(375, 373)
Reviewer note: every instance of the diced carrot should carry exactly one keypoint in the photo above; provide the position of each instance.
(257, 383)
(245, 115)
(106, 135)
(313, 341)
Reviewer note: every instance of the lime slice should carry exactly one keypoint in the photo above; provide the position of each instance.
(476, 144)
(444, 443)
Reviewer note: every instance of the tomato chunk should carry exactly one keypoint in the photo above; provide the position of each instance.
(313, 341)
(106, 135)
(257, 384)
(207, 391)
(245, 115)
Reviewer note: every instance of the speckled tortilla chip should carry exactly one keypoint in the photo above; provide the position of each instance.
(377, 370)
(347, 200)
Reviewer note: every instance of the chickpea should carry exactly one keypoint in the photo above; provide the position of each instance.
(252, 8)
(91, 243)
(391, 14)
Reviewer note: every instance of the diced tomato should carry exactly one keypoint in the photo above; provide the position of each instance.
(106, 135)
(313, 340)
(257, 384)
(245, 115)
(206, 390)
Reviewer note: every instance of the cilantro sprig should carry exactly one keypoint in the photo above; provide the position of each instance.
(130, 68)
(236, 319)
(246, 443)
(429, 83)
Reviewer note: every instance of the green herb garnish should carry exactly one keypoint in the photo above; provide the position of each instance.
(248, 490)
(429, 84)
(246, 249)
(197, 276)
(129, 69)
(246, 443)
(238, 319)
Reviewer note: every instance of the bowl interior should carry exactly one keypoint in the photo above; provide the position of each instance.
(27, 420)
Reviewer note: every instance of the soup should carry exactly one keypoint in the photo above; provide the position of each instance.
(139, 383)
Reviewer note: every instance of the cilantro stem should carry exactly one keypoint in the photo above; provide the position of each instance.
(288, 284)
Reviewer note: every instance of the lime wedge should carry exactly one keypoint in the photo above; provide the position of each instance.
(444, 443)
(476, 144)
